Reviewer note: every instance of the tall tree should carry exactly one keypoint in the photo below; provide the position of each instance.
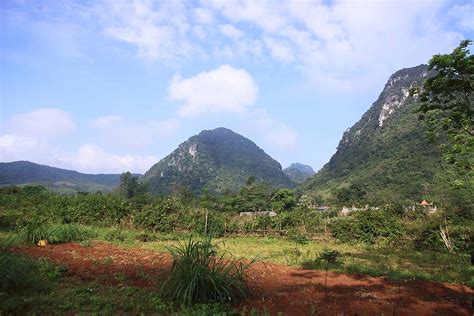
(128, 185)
(447, 105)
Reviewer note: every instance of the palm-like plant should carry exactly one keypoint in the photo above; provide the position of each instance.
(201, 273)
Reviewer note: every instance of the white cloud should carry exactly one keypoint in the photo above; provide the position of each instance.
(148, 26)
(231, 31)
(320, 39)
(225, 89)
(203, 16)
(114, 130)
(33, 136)
(43, 122)
(279, 50)
(17, 147)
(463, 15)
(92, 158)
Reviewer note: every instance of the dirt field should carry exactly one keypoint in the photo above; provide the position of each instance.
(276, 288)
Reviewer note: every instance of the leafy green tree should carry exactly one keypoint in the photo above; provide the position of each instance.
(354, 194)
(128, 185)
(283, 200)
(447, 105)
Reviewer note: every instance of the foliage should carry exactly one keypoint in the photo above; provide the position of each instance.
(218, 160)
(393, 162)
(66, 233)
(368, 226)
(128, 185)
(19, 273)
(35, 231)
(298, 173)
(447, 103)
(283, 200)
(329, 256)
(203, 274)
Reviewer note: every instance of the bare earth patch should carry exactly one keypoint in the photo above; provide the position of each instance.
(276, 288)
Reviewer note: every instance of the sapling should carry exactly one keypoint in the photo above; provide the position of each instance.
(328, 257)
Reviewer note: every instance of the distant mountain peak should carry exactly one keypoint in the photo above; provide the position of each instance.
(216, 160)
(298, 172)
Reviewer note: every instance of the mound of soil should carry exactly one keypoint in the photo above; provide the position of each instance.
(275, 288)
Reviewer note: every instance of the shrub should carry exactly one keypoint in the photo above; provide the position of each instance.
(368, 227)
(203, 274)
(35, 231)
(66, 233)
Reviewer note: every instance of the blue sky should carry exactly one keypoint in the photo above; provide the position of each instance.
(107, 86)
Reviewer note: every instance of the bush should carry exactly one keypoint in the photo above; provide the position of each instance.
(66, 233)
(202, 274)
(367, 227)
(35, 231)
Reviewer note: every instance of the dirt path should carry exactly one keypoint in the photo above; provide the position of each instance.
(277, 288)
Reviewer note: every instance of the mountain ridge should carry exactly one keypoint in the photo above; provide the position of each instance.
(24, 172)
(216, 160)
(386, 155)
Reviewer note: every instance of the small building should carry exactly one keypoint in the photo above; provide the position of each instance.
(432, 209)
(262, 213)
(425, 203)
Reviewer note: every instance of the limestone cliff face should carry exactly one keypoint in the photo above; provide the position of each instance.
(386, 153)
(216, 160)
(394, 96)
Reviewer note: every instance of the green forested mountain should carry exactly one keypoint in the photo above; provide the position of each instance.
(218, 160)
(386, 156)
(298, 172)
(25, 172)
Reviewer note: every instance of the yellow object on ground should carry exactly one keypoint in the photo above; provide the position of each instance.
(43, 243)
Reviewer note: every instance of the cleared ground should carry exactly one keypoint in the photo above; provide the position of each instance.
(276, 287)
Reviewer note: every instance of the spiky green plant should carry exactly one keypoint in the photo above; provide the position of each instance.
(66, 233)
(34, 231)
(202, 273)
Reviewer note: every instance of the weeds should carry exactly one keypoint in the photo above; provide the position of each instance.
(203, 274)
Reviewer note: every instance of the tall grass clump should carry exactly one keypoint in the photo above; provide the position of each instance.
(19, 273)
(66, 233)
(33, 232)
(201, 273)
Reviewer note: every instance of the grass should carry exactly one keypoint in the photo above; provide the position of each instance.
(36, 286)
(396, 264)
(203, 273)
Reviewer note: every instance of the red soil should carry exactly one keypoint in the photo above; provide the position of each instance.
(276, 288)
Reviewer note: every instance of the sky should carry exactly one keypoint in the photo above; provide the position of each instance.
(108, 86)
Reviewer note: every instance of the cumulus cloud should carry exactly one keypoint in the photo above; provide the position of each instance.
(225, 89)
(92, 158)
(279, 50)
(115, 130)
(463, 15)
(148, 26)
(320, 39)
(17, 147)
(35, 136)
(231, 31)
(203, 15)
(43, 122)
